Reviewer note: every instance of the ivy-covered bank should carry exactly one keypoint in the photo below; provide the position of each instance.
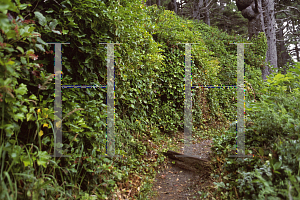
(149, 95)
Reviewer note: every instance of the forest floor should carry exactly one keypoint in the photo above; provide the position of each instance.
(180, 180)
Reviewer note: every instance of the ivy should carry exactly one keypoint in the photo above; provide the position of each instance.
(149, 92)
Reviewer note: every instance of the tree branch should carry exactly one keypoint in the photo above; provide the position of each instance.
(293, 8)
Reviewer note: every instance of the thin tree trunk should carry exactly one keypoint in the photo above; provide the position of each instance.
(253, 12)
(221, 14)
(175, 6)
(179, 8)
(256, 25)
(296, 45)
(199, 6)
(196, 9)
(148, 3)
(222, 6)
(206, 18)
(283, 55)
(297, 52)
(264, 69)
(270, 34)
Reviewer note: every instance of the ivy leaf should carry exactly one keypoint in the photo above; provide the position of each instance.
(41, 18)
(65, 32)
(33, 97)
(111, 182)
(40, 47)
(21, 90)
(53, 24)
(43, 158)
(30, 117)
(46, 140)
(9, 129)
(4, 7)
(23, 60)
(261, 151)
(49, 11)
(30, 51)
(27, 161)
(18, 116)
(41, 41)
(23, 6)
(21, 49)
(277, 165)
(57, 32)
(47, 27)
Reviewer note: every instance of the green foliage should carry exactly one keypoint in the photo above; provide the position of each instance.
(19, 71)
(149, 93)
(273, 137)
(229, 19)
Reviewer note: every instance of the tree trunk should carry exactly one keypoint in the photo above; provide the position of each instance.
(297, 52)
(270, 34)
(199, 6)
(196, 9)
(195, 13)
(158, 3)
(222, 6)
(283, 55)
(256, 24)
(296, 45)
(148, 3)
(206, 14)
(179, 8)
(172, 5)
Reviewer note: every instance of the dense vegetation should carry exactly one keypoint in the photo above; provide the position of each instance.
(149, 97)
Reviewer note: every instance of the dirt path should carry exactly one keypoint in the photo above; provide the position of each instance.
(181, 180)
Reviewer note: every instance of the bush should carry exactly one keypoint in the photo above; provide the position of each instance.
(273, 138)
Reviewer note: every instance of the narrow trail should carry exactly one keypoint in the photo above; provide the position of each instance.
(181, 180)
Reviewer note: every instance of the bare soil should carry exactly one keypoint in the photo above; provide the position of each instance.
(184, 179)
